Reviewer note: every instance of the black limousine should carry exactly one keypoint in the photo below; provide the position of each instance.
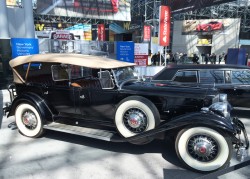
(233, 80)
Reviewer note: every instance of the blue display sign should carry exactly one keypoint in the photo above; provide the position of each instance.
(125, 51)
(24, 46)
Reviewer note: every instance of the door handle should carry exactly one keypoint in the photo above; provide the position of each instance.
(82, 96)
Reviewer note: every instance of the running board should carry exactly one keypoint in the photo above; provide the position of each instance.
(87, 132)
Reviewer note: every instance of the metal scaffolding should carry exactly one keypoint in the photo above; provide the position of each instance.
(147, 11)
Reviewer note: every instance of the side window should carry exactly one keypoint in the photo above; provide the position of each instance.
(218, 76)
(80, 72)
(186, 76)
(241, 77)
(39, 73)
(206, 77)
(60, 72)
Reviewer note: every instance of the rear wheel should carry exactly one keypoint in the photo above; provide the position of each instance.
(136, 115)
(203, 149)
(28, 120)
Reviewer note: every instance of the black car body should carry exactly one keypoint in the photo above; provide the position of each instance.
(104, 99)
(233, 80)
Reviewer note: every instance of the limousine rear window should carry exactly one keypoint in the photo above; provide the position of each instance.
(218, 76)
(206, 77)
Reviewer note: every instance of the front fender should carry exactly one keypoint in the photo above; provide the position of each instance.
(203, 118)
(35, 100)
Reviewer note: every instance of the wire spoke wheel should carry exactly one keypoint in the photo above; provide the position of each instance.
(28, 120)
(135, 120)
(203, 149)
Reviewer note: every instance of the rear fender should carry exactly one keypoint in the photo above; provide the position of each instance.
(40, 104)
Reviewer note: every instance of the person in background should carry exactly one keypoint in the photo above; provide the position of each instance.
(153, 59)
(203, 55)
(225, 58)
(167, 57)
(195, 59)
(206, 58)
(220, 57)
(157, 59)
(213, 58)
(246, 58)
(176, 57)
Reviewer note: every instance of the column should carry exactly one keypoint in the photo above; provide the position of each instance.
(29, 19)
(4, 26)
(4, 42)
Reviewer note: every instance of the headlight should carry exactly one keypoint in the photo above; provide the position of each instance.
(220, 98)
(221, 108)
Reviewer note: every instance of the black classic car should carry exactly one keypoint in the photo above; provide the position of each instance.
(104, 99)
(233, 80)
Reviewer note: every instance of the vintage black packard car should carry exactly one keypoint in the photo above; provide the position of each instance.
(233, 80)
(105, 99)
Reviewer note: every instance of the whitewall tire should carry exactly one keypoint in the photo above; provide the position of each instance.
(203, 149)
(135, 115)
(28, 120)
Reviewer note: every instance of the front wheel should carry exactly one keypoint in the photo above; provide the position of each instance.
(203, 149)
(28, 120)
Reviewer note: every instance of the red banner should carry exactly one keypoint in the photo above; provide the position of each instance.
(164, 27)
(101, 32)
(146, 33)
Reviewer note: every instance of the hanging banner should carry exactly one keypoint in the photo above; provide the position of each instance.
(101, 32)
(87, 32)
(164, 26)
(146, 33)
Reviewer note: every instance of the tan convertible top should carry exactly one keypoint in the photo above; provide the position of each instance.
(73, 59)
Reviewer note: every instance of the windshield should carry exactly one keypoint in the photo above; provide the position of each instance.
(124, 74)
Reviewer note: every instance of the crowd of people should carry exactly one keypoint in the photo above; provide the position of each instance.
(182, 58)
(213, 58)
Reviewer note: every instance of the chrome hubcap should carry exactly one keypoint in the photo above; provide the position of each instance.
(29, 119)
(135, 120)
(203, 148)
